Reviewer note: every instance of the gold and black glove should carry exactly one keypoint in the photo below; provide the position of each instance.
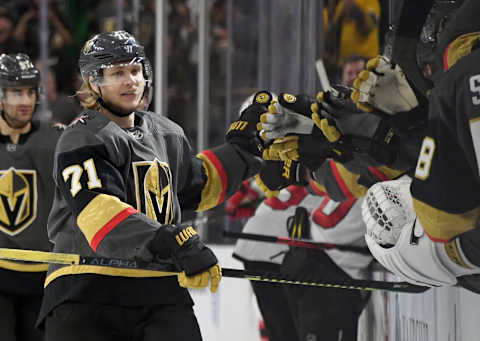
(197, 263)
(275, 175)
(243, 132)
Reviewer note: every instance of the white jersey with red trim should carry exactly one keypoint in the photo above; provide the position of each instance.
(331, 222)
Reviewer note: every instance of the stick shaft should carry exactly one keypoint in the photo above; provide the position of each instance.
(296, 243)
(353, 284)
(73, 259)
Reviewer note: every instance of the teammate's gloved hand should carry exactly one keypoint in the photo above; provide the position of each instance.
(243, 132)
(336, 102)
(310, 149)
(383, 86)
(275, 175)
(197, 262)
(289, 115)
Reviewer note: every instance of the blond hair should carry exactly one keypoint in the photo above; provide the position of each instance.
(88, 97)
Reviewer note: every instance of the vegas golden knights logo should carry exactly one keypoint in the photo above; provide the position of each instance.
(18, 200)
(153, 182)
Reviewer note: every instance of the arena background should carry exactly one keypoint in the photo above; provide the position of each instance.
(208, 57)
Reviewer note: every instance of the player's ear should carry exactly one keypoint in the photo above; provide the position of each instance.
(93, 86)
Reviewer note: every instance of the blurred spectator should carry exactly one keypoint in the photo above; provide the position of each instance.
(106, 19)
(182, 36)
(351, 28)
(63, 107)
(60, 39)
(27, 29)
(352, 66)
(218, 68)
(7, 42)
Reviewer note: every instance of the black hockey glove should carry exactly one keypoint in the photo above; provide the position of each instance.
(320, 138)
(243, 132)
(275, 175)
(197, 262)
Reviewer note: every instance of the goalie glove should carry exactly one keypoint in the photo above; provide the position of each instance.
(243, 132)
(197, 262)
(397, 240)
(383, 86)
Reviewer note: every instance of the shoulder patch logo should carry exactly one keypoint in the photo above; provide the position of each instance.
(18, 200)
(80, 119)
(153, 187)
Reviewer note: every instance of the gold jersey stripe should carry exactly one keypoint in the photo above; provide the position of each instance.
(98, 213)
(213, 190)
(351, 181)
(23, 267)
(105, 271)
(459, 48)
(442, 226)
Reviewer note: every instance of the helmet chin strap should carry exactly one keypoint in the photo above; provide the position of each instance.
(110, 108)
(2, 112)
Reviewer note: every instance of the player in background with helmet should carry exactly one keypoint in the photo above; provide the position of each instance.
(26, 193)
(122, 176)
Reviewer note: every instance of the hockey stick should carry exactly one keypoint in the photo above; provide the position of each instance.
(296, 242)
(160, 270)
(353, 284)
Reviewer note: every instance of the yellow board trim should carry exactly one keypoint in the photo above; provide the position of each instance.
(106, 271)
(213, 188)
(98, 213)
(23, 267)
(443, 226)
(461, 47)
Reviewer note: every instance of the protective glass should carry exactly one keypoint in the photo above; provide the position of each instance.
(121, 73)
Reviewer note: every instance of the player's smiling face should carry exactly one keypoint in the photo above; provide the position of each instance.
(122, 86)
(18, 105)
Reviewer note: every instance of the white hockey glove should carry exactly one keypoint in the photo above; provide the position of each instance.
(280, 121)
(397, 240)
(383, 86)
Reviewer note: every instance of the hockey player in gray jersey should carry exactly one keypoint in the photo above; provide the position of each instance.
(122, 177)
(26, 194)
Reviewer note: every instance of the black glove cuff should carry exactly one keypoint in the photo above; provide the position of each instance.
(183, 245)
(195, 258)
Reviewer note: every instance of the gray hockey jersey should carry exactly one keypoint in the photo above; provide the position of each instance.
(26, 195)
